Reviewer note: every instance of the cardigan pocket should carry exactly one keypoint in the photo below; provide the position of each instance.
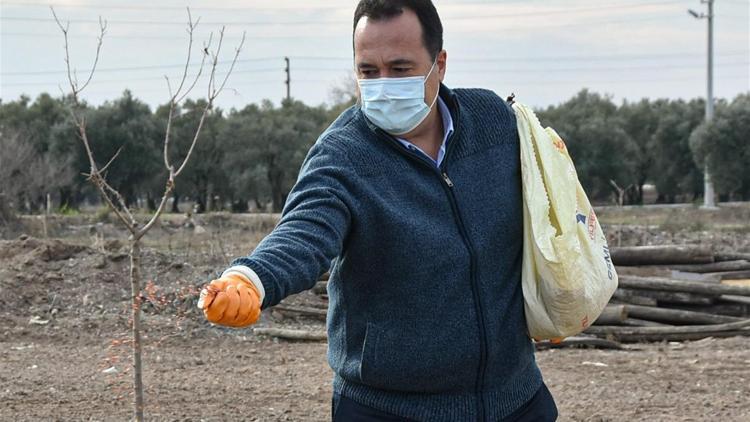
(404, 360)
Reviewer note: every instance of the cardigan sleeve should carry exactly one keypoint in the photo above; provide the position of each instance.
(314, 223)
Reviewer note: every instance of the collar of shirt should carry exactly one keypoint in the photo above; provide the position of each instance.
(447, 130)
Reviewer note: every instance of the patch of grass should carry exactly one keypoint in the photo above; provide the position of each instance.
(67, 210)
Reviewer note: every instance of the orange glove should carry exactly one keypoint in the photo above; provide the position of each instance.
(231, 300)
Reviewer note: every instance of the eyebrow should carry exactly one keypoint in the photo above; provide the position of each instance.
(394, 62)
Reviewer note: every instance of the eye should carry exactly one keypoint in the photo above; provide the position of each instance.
(368, 72)
(401, 69)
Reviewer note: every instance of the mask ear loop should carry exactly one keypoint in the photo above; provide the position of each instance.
(437, 94)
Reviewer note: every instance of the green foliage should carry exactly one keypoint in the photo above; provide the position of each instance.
(253, 155)
(595, 135)
(723, 145)
(29, 168)
(674, 171)
(205, 174)
(266, 147)
(66, 209)
(631, 145)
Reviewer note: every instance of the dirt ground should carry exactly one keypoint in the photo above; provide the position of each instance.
(65, 356)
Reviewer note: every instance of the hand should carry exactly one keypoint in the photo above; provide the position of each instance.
(231, 300)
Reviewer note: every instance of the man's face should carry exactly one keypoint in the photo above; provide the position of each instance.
(393, 48)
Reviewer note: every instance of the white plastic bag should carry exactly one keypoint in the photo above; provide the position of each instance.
(567, 275)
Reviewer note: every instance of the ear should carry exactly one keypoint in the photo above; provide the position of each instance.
(442, 59)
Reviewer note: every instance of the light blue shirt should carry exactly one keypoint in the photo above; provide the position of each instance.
(447, 130)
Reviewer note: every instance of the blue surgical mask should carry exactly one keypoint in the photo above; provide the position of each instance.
(396, 105)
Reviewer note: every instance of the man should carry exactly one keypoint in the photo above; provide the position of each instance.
(414, 195)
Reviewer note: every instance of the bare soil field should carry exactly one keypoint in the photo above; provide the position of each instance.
(64, 323)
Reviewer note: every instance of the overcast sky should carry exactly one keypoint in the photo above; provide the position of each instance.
(543, 50)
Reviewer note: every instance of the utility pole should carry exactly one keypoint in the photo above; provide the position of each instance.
(708, 186)
(288, 80)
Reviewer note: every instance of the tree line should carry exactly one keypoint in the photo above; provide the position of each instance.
(248, 159)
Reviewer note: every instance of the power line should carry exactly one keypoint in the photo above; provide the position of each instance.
(133, 68)
(598, 69)
(318, 7)
(266, 22)
(349, 59)
(158, 37)
(462, 71)
(612, 81)
(197, 8)
(318, 35)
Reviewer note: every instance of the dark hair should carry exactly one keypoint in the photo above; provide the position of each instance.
(432, 28)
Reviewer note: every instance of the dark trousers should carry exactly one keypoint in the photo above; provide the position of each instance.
(541, 408)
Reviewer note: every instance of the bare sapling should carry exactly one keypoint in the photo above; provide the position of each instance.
(114, 200)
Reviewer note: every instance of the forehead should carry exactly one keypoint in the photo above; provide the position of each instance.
(399, 37)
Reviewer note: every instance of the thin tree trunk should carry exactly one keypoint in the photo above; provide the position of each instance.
(175, 203)
(210, 206)
(135, 288)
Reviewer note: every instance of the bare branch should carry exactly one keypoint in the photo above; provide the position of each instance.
(166, 138)
(100, 39)
(175, 97)
(215, 62)
(212, 94)
(119, 199)
(190, 30)
(167, 190)
(231, 66)
(94, 175)
(200, 71)
(103, 169)
(195, 138)
(96, 180)
(64, 30)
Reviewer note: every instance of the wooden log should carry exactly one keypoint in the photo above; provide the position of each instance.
(657, 283)
(629, 296)
(635, 322)
(301, 310)
(704, 278)
(714, 267)
(735, 299)
(645, 271)
(731, 256)
(292, 334)
(661, 255)
(676, 316)
(594, 342)
(669, 297)
(612, 315)
(686, 332)
(739, 310)
(737, 282)
(730, 275)
(636, 338)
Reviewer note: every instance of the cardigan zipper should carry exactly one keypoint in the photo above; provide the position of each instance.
(448, 186)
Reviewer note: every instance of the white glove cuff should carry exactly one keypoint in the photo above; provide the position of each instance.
(250, 274)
